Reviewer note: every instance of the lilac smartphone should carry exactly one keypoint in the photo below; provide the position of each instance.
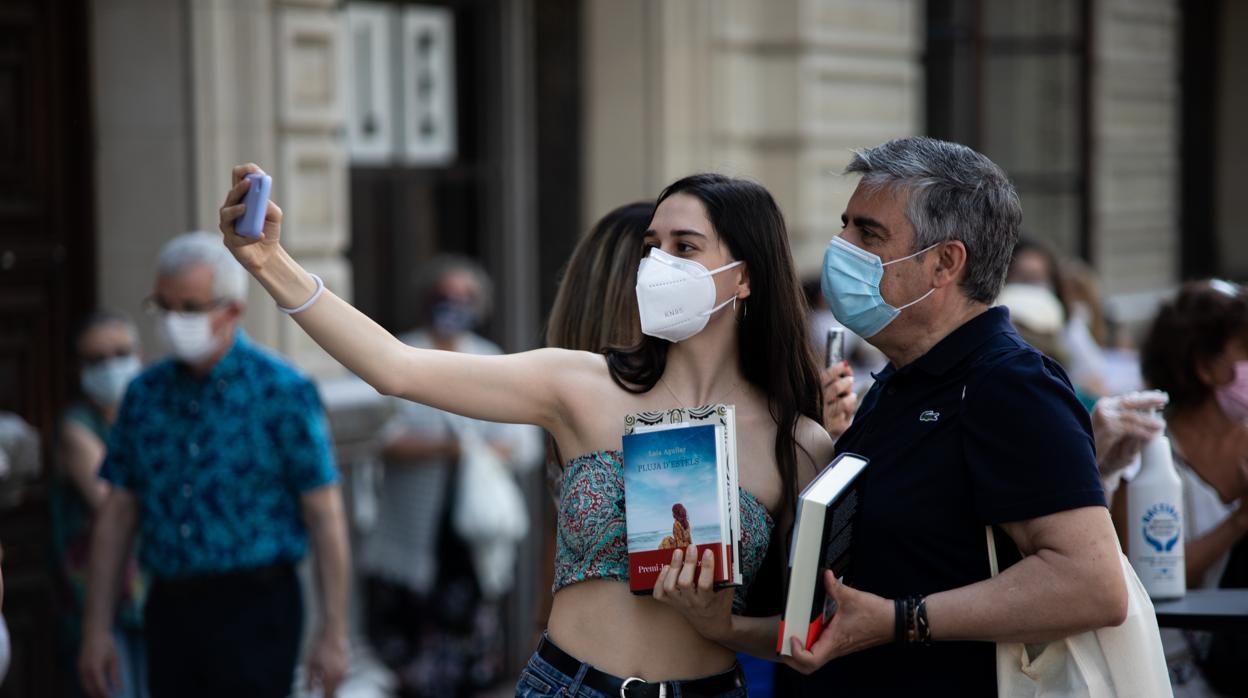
(251, 223)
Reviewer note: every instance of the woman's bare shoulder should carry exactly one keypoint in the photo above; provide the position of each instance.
(816, 447)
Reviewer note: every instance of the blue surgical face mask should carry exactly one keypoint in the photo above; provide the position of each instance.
(851, 286)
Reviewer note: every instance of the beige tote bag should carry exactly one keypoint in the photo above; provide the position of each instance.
(1126, 660)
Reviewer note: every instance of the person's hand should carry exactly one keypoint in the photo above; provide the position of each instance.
(249, 252)
(861, 620)
(687, 585)
(1121, 427)
(839, 400)
(98, 666)
(327, 662)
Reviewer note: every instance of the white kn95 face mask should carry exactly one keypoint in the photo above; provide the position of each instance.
(675, 296)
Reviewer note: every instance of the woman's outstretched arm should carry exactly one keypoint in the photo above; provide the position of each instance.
(509, 388)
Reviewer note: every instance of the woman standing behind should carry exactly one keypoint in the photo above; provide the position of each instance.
(106, 349)
(1197, 351)
(724, 333)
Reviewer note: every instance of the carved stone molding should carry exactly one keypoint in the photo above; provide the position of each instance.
(313, 181)
(309, 70)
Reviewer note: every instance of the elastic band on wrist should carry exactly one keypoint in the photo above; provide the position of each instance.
(320, 288)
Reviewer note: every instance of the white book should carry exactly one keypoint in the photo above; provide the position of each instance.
(822, 536)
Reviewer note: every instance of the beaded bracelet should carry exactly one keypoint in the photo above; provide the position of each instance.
(910, 626)
(320, 288)
(923, 629)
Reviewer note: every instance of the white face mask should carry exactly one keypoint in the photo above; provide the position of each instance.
(188, 335)
(676, 297)
(105, 383)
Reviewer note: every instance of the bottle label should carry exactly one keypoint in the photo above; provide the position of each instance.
(1162, 527)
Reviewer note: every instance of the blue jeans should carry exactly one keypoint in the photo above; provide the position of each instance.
(541, 680)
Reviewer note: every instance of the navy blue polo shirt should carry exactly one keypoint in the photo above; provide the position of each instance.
(982, 429)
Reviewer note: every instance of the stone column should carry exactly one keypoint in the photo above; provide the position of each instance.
(776, 91)
(267, 82)
(232, 103)
(1135, 160)
(798, 84)
(143, 190)
(312, 158)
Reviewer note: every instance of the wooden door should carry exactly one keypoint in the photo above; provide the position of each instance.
(46, 280)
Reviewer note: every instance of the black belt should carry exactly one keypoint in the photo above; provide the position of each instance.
(633, 687)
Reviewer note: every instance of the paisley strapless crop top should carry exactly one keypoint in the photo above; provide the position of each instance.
(592, 540)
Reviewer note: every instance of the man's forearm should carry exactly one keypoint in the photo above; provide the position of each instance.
(333, 563)
(1035, 600)
(111, 538)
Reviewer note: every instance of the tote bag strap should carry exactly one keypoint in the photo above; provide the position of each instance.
(992, 551)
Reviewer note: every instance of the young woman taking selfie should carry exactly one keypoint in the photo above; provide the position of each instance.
(723, 320)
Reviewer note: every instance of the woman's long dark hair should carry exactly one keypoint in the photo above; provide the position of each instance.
(774, 352)
(595, 306)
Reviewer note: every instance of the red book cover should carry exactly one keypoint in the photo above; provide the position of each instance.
(671, 499)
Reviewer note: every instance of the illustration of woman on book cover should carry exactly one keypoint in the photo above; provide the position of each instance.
(681, 537)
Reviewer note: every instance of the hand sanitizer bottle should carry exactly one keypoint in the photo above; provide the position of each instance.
(1155, 519)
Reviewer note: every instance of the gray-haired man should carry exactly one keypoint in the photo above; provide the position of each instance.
(220, 457)
(966, 427)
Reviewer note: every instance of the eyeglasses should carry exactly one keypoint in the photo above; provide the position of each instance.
(152, 305)
(96, 359)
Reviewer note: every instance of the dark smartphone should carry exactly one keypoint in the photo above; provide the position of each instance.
(834, 347)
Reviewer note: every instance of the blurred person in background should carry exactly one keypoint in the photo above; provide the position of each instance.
(1082, 340)
(1102, 352)
(432, 618)
(1034, 263)
(106, 350)
(1196, 350)
(220, 457)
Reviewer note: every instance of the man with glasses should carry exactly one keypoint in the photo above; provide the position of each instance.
(220, 457)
